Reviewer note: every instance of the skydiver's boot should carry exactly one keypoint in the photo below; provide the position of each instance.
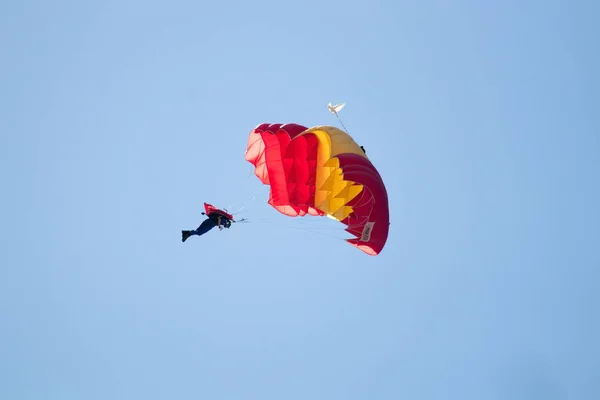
(185, 235)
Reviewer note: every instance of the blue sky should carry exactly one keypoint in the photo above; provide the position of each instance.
(120, 118)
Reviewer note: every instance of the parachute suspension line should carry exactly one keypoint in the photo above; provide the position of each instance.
(341, 122)
(317, 230)
(244, 203)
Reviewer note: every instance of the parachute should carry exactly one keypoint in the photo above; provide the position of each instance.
(322, 171)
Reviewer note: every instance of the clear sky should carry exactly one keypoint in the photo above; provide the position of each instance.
(119, 118)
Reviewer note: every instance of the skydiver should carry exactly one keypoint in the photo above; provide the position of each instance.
(214, 219)
(363, 149)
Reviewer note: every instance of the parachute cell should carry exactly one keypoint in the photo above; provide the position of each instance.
(322, 171)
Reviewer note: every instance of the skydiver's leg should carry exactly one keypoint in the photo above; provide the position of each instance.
(204, 227)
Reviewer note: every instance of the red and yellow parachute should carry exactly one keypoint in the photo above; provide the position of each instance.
(322, 171)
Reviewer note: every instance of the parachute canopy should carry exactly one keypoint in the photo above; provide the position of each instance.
(322, 171)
